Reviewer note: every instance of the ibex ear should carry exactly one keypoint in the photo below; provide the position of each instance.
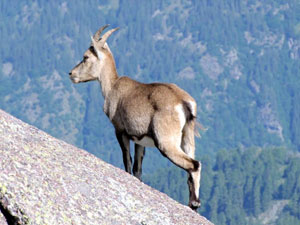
(94, 42)
(96, 46)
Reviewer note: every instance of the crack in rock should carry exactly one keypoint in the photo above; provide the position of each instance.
(12, 214)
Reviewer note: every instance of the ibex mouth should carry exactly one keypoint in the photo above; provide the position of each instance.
(75, 80)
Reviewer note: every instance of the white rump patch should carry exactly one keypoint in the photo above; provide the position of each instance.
(181, 115)
(145, 141)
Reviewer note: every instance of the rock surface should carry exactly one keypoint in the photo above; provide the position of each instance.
(47, 181)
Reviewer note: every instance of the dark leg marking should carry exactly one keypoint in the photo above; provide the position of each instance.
(125, 146)
(138, 160)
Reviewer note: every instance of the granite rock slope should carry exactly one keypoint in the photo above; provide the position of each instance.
(44, 180)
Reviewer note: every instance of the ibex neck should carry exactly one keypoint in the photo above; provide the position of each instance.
(107, 80)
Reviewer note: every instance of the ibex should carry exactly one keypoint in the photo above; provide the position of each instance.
(159, 115)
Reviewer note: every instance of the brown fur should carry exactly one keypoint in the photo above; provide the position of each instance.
(158, 113)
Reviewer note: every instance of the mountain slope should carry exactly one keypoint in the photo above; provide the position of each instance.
(46, 181)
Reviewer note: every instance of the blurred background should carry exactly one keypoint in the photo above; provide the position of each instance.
(239, 59)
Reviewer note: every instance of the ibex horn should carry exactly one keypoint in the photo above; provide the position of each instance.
(98, 33)
(106, 35)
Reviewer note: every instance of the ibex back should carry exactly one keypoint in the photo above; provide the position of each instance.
(156, 114)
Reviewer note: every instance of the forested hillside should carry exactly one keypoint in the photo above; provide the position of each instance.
(239, 59)
(253, 186)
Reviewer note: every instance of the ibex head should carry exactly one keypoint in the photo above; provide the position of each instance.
(94, 58)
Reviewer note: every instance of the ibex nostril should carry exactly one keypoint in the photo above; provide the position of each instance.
(70, 73)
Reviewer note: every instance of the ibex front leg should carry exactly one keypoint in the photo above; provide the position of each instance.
(138, 160)
(125, 146)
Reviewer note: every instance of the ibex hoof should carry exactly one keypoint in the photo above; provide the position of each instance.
(195, 204)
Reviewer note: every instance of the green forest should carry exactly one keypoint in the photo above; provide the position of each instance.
(242, 186)
(239, 59)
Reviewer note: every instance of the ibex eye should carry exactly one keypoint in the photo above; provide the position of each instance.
(85, 58)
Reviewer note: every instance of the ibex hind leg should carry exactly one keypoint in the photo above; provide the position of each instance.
(188, 146)
(174, 153)
(167, 131)
(188, 139)
(193, 167)
(194, 187)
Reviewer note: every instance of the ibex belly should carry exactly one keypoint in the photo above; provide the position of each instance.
(145, 141)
